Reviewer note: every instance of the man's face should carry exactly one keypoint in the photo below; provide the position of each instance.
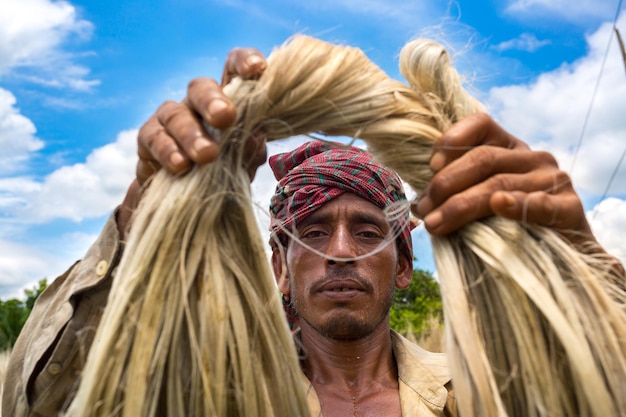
(344, 299)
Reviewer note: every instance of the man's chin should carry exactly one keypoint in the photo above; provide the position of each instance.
(345, 329)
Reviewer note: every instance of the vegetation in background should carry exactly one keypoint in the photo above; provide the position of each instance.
(14, 312)
(418, 309)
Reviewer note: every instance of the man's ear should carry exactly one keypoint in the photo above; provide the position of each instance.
(404, 273)
(279, 265)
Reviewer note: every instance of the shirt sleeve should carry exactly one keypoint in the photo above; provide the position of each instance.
(51, 349)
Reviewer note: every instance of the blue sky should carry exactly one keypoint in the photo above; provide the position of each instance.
(77, 79)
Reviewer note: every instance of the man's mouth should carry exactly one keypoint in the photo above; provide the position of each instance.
(341, 289)
(341, 285)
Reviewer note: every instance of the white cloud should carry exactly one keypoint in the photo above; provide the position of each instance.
(79, 191)
(19, 261)
(608, 221)
(580, 11)
(31, 35)
(76, 192)
(23, 265)
(17, 135)
(525, 42)
(549, 113)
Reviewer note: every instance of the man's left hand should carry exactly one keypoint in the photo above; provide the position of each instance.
(481, 170)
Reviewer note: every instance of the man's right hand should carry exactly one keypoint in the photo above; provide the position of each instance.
(174, 138)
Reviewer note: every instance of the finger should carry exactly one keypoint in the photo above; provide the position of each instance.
(484, 163)
(205, 97)
(146, 169)
(159, 150)
(248, 63)
(475, 202)
(475, 130)
(156, 148)
(256, 151)
(562, 211)
(182, 133)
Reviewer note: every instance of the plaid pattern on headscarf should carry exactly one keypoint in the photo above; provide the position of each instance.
(317, 172)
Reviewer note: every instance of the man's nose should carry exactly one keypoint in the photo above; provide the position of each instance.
(341, 248)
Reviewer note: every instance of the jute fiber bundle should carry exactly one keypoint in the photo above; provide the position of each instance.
(193, 325)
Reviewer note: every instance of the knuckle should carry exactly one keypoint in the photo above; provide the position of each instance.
(545, 158)
(518, 144)
(201, 83)
(181, 124)
(147, 136)
(242, 55)
(144, 134)
(176, 118)
(166, 107)
(545, 210)
(440, 186)
(463, 206)
(482, 119)
(201, 92)
(562, 181)
(500, 182)
(167, 111)
(540, 209)
(193, 84)
(483, 159)
(233, 53)
(162, 146)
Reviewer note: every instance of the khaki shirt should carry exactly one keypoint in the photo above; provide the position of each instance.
(51, 349)
(47, 358)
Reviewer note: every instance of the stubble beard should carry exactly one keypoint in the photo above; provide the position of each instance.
(348, 329)
(345, 327)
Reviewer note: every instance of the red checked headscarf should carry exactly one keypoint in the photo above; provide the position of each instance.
(317, 172)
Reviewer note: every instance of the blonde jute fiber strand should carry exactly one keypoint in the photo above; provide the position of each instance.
(193, 326)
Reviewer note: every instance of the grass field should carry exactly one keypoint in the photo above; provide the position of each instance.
(4, 361)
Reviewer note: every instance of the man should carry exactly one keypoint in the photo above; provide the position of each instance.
(355, 365)
(339, 273)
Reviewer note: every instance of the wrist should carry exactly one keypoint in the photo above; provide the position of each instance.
(124, 214)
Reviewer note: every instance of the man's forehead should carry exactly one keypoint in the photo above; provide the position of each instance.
(347, 205)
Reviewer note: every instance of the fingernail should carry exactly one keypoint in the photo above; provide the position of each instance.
(437, 161)
(200, 144)
(508, 200)
(433, 220)
(217, 106)
(425, 205)
(176, 159)
(253, 61)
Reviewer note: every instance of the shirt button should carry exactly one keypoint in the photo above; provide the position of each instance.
(54, 369)
(102, 267)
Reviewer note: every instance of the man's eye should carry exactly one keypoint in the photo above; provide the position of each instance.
(369, 234)
(312, 234)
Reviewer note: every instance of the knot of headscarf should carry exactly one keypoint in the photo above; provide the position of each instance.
(318, 172)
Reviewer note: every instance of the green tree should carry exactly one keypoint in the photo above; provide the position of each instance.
(33, 294)
(14, 312)
(414, 307)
